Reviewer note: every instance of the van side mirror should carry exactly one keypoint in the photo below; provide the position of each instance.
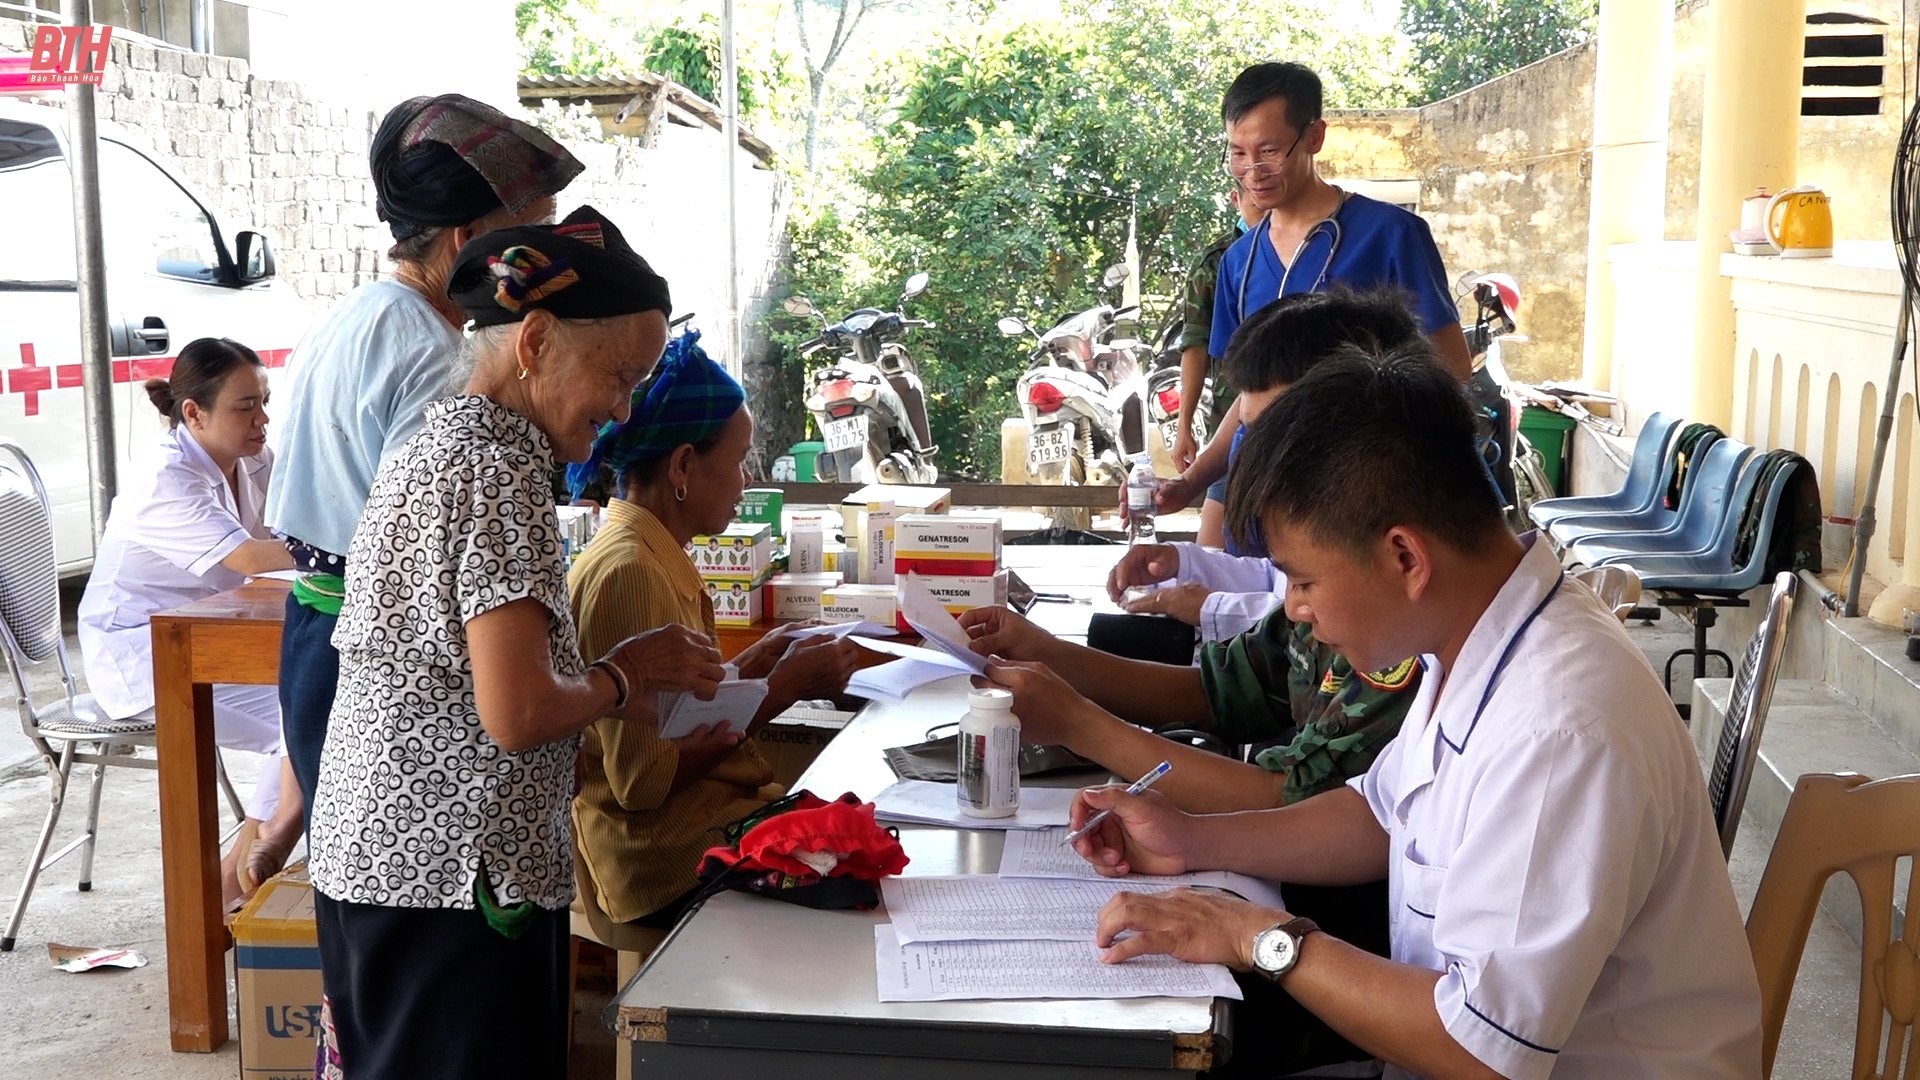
(253, 257)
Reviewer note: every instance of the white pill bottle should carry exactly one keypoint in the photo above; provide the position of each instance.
(989, 785)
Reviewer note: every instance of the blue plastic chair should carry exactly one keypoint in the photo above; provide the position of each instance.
(1639, 491)
(1649, 518)
(1715, 571)
(1714, 467)
(1709, 516)
(1703, 581)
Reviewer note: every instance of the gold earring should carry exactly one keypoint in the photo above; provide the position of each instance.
(523, 373)
(680, 493)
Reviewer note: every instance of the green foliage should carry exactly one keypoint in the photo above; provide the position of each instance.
(1012, 161)
(566, 37)
(689, 54)
(1459, 44)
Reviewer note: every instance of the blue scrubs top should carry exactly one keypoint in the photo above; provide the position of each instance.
(1379, 245)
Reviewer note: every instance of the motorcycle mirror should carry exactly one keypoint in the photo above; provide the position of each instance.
(1464, 283)
(916, 285)
(1114, 275)
(798, 305)
(1012, 327)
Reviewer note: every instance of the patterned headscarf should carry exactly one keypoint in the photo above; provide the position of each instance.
(449, 160)
(686, 401)
(582, 268)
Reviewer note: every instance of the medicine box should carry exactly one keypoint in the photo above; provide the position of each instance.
(744, 552)
(933, 538)
(736, 601)
(958, 594)
(761, 506)
(860, 603)
(276, 974)
(797, 596)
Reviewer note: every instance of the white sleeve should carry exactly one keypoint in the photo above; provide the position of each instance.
(1226, 615)
(1222, 572)
(184, 522)
(1374, 784)
(1538, 893)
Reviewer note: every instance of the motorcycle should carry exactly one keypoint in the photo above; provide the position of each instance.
(1517, 470)
(1163, 390)
(867, 399)
(1083, 395)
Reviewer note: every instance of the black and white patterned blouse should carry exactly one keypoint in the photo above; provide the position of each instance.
(414, 794)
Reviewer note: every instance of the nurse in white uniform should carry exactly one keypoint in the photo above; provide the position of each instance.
(1558, 901)
(186, 532)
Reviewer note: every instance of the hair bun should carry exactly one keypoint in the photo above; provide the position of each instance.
(160, 392)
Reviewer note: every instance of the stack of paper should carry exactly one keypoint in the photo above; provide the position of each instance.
(1043, 853)
(1006, 938)
(1005, 970)
(915, 668)
(929, 802)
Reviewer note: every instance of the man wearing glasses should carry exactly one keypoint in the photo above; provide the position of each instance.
(1311, 234)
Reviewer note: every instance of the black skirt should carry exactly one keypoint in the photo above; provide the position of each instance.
(418, 993)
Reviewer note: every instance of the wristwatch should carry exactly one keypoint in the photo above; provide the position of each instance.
(1277, 948)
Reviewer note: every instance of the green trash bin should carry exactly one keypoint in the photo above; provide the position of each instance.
(1552, 434)
(804, 456)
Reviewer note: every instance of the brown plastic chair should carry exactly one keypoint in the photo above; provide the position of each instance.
(1844, 823)
(631, 945)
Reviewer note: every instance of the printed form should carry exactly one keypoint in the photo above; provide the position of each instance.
(982, 907)
(1042, 853)
(1002, 970)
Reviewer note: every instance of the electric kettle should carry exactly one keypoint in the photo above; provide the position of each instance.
(1800, 223)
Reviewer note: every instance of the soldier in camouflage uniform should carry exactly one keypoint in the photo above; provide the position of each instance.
(1195, 329)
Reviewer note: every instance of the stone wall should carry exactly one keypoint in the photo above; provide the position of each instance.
(1503, 171)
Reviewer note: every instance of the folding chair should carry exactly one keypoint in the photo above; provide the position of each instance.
(70, 729)
(1844, 823)
(1739, 745)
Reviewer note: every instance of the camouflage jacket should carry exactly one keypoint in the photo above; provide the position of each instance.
(1201, 277)
(1276, 683)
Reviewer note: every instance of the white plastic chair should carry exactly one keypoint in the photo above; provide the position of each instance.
(71, 729)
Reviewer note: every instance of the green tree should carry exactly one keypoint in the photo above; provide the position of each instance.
(567, 37)
(689, 54)
(1017, 155)
(1459, 44)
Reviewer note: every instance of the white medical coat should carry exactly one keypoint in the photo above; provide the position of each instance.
(163, 545)
(1246, 589)
(1553, 855)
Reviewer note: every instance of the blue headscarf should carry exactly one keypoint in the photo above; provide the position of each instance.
(686, 400)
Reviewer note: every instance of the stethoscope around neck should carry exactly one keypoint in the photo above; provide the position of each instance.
(1330, 223)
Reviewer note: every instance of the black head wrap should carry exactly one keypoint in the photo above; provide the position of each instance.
(449, 160)
(581, 268)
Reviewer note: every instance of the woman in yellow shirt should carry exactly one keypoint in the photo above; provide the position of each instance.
(648, 807)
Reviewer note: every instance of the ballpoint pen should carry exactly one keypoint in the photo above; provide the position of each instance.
(1153, 777)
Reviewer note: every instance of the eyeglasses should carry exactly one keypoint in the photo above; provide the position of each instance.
(1263, 165)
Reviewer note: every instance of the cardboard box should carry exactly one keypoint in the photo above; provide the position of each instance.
(797, 596)
(790, 748)
(744, 553)
(761, 506)
(276, 969)
(937, 537)
(958, 594)
(856, 603)
(905, 500)
(736, 601)
(903, 566)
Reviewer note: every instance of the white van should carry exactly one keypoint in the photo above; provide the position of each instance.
(173, 274)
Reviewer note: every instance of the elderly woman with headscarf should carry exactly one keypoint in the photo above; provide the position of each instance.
(445, 170)
(442, 852)
(647, 807)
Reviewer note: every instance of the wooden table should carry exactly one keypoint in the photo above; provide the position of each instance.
(233, 637)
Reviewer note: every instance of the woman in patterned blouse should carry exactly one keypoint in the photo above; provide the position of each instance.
(442, 856)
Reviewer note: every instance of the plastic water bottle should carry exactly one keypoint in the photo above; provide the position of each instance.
(1141, 485)
(989, 764)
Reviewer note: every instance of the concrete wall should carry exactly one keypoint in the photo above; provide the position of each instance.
(272, 155)
(1504, 170)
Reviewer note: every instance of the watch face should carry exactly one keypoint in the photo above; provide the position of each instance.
(1274, 950)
